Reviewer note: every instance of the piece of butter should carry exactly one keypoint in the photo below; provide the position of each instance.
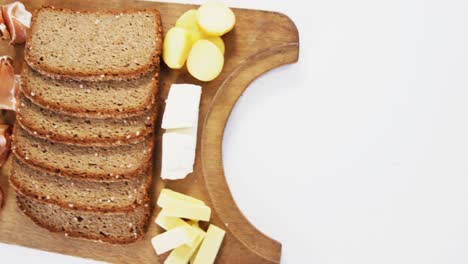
(170, 194)
(210, 246)
(182, 254)
(181, 123)
(183, 235)
(183, 206)
(182, 209)
(196, 226)
(182, 106)
(169, 222)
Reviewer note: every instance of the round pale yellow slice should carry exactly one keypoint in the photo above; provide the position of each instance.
(188, 21)
(205, 61)
(218, 41)
(176, 47)
(215, 19)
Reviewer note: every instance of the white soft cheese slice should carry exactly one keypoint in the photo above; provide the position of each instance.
(182, 106)
(181, 123)
(178, 155)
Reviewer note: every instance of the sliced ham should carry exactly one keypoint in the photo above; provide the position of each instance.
(4, 34)
(9, 84)
(5, 141)
(1, 197)
(17, 20)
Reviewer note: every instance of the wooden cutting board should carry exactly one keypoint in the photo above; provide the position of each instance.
(260, 42)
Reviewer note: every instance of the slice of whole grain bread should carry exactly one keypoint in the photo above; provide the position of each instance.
(94, 45)
(67, 129)
(106, 99)
(85, 195)
(88, 162)
(111, 227)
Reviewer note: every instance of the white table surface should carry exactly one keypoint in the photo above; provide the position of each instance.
(358, 153)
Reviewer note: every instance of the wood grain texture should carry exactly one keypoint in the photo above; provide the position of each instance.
(260, 42)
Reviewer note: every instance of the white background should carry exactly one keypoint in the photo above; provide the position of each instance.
(358, 153)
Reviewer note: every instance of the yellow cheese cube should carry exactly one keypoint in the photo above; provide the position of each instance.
(182, 254)
(183, 235)
(205, 61)
(215, 19)
(169, 222)
(176, 46)
(210, 246)
(183, 206)
(167, 193)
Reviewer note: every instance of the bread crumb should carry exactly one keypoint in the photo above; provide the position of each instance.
(33, 94)
(97, 21)
(71, 205)
(130, 224)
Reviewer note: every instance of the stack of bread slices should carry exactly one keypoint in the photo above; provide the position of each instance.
(83, 139)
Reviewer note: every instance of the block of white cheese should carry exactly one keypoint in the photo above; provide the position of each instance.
(181, 123)
(183, 235)
(182, 106)
(210, 246)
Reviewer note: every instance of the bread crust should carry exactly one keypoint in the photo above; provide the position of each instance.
(76, 205)
(85, 176)
(70, 140)
(118, 75)
(80, 112)
(143, 226)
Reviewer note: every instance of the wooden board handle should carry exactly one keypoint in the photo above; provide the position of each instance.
(212, 139)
